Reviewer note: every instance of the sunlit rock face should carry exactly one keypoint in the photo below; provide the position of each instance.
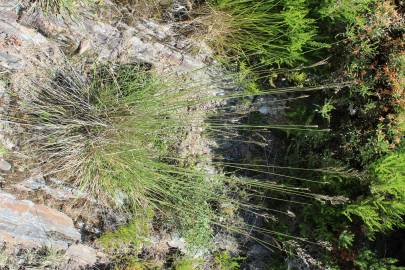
(27, 224)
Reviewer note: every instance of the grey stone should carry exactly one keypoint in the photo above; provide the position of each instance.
(264, 110)
(10, 61)
(84, 46)
(81, 256)
(226, 242)
(55, 188)
(29, 225)
(4, 165)
(177, 242)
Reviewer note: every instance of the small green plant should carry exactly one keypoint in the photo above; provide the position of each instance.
(298, 77)
(326, 109)
(186, 264)
(131, 262)
(224, 261)
(368, 261)
(384, 208)
(345, 10)
(45, 257)
(50, 258)
(4, 259)
(3, 151)
(247, 79)
(346, 239)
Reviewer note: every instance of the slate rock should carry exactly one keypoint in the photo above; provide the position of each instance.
(29, 225)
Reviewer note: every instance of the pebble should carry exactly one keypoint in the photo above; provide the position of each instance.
(4, 165)
(84, 46)
(82, 256)
(264, 110)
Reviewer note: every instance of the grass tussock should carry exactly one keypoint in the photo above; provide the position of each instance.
(113, 132)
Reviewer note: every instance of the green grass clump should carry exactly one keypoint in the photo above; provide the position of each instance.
(45, 257)
(278, 32)
(114, 132)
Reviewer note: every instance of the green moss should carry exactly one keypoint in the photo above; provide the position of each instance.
(134, 234)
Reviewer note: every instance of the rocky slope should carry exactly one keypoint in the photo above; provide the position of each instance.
(36, 211)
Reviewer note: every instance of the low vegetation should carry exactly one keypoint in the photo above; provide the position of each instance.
(365, 143)
(382, 210)
(56, 6)
(115, 131)
(40, 258)
(113, 134)
(361, 157)
(270, 32)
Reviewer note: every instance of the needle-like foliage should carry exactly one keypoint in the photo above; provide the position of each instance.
(278, 32)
